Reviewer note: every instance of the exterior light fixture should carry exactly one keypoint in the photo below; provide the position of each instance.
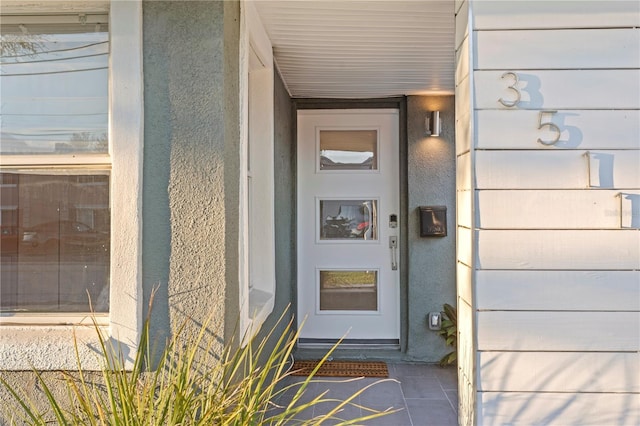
(432, 123)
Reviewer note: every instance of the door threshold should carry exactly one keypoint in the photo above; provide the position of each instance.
(309, 343)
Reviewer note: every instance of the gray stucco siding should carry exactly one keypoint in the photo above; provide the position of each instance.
(191, 159)
(432, 263)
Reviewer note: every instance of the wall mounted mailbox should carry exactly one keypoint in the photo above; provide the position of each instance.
(433, 221)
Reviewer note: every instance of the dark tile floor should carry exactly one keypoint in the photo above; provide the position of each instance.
(424, 395)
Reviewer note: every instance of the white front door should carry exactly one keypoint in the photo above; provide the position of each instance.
(348, 226)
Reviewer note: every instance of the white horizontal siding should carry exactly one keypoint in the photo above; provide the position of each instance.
(464, 245)
(565, 409)
(559, 371)
(496, 15)
(462, 99)
(562, 89)
(559, 331)
(462, 61)
(556, 279)
(464, 280)
(466, 350)
(559, 249)
(567, 169)
(463, 131)
(463, 208)
(462, 92)
(464, 117)
(463, 171)
(556, 209)
(580, 129)
(558, 290)
(461, 23)
(558, 49)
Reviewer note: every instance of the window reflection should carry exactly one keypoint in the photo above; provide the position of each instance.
(348, 220)
(54, 87)
(349, 290)
(348, 150)
(55, 242)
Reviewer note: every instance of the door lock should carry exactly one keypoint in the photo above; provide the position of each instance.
(393, 221)
(393, 245)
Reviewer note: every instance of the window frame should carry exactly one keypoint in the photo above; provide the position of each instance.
(28, 341)
(257, 275)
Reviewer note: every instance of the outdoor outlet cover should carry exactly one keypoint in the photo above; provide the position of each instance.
(434, 319)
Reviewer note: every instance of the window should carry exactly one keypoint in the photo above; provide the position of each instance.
(257, 272)
(344, 290)
(348, 220)
(348, 150)
(71, 132)
(55, 220)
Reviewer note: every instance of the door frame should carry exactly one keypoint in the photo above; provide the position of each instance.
(399, 103)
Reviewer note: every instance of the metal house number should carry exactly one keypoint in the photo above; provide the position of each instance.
(514, 87)
(550, 125)
(541, 116)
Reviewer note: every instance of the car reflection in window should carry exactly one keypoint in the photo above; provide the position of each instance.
(8, 240)
(353, 221)
(65, 236)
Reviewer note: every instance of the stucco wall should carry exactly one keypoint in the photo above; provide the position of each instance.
(191, 162)
(431, 181)
(191, 171)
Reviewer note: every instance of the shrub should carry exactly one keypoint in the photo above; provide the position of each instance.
(449, 331)
(191, 384)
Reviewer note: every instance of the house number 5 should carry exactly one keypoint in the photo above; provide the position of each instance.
(552, 127)
(513, 87)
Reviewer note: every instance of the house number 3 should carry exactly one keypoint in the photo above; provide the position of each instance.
(513, 87)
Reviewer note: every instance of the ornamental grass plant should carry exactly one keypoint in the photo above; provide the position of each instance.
(190, 384)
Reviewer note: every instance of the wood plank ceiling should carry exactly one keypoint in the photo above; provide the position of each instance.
(362, 49)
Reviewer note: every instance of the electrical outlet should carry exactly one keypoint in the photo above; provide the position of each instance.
(434, 320)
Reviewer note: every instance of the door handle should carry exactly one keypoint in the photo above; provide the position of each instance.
(393, 245)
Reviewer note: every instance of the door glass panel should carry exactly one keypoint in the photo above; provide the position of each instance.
(348, 220)
(349, 290)
(348, 150)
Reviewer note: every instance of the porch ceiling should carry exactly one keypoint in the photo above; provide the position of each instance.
(360, 48)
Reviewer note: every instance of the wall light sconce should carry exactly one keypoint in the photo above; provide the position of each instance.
(432, 123)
